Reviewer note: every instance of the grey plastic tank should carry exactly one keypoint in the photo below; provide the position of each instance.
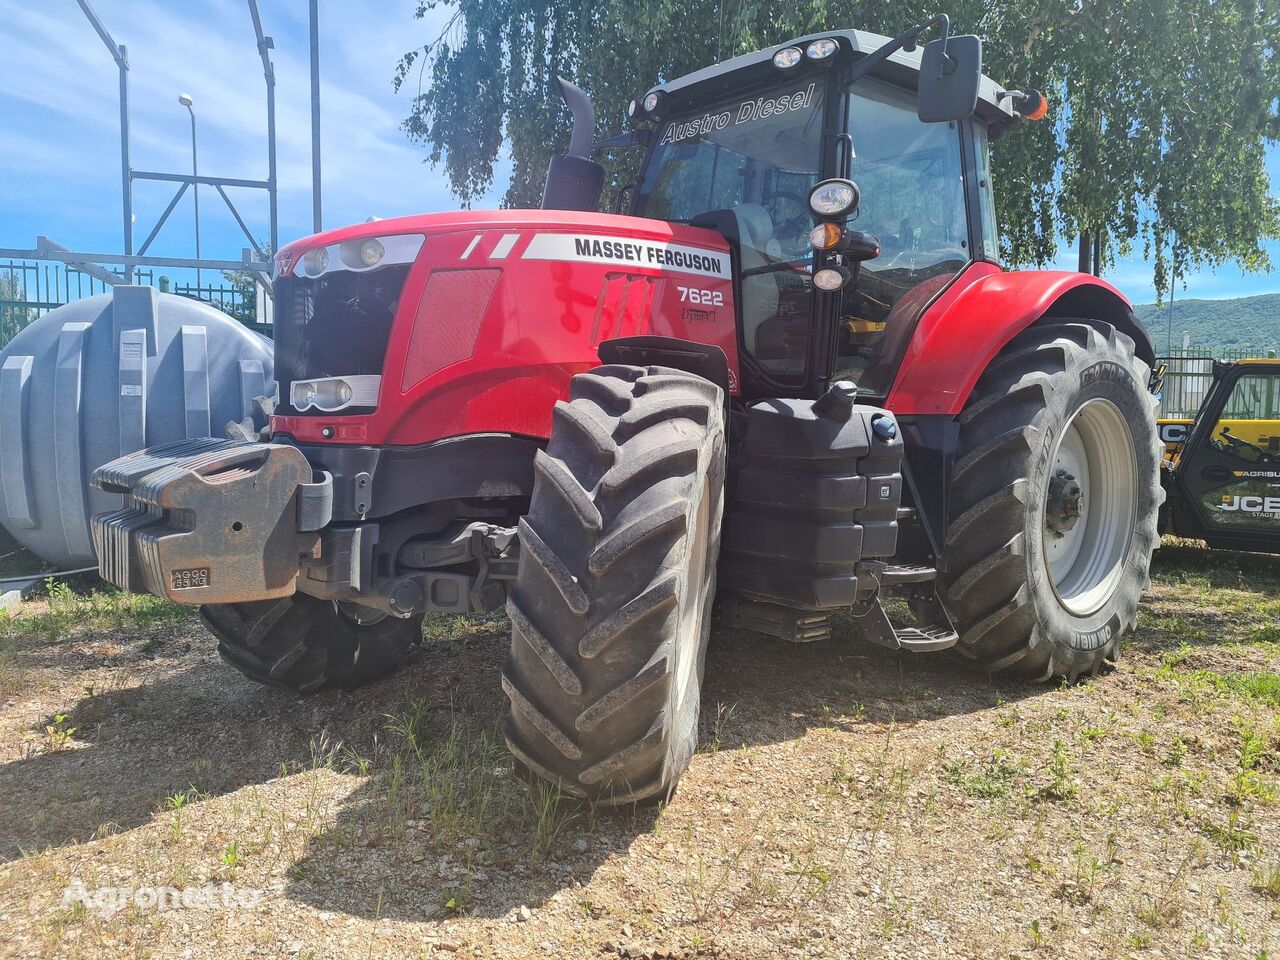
(102, 377)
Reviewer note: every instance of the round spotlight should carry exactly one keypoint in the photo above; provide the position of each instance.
(834, 199)
(821, 49)
(831, 279)
(372, 252)
(825, 236)
(655, 101)
(634, 111)
(787, 57)
(316, 261)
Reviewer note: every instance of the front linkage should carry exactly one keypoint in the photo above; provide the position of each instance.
(214, 522)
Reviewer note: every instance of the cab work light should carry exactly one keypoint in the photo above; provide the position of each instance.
(834, 199)
(788, 57)
(821, 49)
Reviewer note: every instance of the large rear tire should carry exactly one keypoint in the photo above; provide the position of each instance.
(610, 612)
(305, 644)
(1055, 498)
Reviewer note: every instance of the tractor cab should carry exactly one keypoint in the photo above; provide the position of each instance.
(740, 146)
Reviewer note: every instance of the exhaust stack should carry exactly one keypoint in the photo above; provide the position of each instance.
(574, 180)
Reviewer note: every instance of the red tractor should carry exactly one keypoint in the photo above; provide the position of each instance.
(791, 379)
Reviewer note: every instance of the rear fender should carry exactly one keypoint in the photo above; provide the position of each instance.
(985, 308)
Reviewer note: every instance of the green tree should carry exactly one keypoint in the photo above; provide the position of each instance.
(1162, 110)
(244, 306)
(14, 314)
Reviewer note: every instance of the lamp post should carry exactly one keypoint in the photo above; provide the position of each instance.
(185, 100)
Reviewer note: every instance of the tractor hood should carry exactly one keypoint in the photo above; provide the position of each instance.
(416, 329)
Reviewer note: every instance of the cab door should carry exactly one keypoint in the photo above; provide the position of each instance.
(1228, 475)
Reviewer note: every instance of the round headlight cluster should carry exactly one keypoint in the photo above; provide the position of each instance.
(817, 51)
(833, 199)
(821, 49)
(788, 57)
(316, 262)
(372, 252)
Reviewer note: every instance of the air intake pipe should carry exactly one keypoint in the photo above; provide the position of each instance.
(574, 180)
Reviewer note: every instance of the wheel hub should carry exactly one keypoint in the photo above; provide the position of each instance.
(1090, 506)
(1065, 504)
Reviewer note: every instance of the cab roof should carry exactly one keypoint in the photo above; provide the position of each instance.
(901, 68)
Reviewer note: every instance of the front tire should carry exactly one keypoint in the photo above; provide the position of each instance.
(610, 612)
(305, 644)
(1055, 498)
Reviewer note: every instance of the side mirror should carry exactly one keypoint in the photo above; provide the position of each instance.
(950, 71)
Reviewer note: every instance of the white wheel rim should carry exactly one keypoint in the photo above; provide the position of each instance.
(1086, 560)
(689, 631)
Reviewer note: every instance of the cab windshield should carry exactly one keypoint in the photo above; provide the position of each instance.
(756, 156)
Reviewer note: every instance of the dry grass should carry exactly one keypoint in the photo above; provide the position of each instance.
(846, 802)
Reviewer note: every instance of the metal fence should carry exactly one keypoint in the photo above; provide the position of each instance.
(30, 289)
(1189, 375)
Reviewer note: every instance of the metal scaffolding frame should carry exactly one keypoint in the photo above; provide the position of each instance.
(253, 258)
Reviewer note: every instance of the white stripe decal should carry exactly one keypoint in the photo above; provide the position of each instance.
(470, 246)
(655, 255)
(504, 246)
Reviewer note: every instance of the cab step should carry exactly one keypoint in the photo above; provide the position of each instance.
(925, 639)
(907, 573)
(877, 628)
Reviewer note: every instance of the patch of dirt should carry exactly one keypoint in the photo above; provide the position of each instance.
(847, 802)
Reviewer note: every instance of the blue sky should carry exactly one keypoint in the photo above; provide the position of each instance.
(60, 164)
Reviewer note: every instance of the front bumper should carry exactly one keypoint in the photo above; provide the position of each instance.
(211, 521)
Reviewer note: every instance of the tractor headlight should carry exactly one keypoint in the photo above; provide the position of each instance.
(654, 102)
(316, 262)
(834, 199)
(831, 279)
(821, 49)
(371, 252)
(787, 57)
(330, 394)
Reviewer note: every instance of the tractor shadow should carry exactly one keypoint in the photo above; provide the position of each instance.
(406, 847)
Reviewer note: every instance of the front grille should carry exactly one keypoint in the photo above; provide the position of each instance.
(333, 326)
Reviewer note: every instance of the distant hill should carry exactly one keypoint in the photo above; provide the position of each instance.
(1244, 323)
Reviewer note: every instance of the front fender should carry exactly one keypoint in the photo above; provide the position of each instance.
(983, 309)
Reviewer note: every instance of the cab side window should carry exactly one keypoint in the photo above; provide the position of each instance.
(1249, 426)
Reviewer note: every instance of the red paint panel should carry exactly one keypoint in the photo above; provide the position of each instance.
(965, 328)
(551, 299)
(447, 321)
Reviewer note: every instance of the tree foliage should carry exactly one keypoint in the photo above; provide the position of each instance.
(1246, 323)
(1161, 109)
(14, 313)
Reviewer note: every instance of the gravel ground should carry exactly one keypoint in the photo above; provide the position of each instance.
(846, 802)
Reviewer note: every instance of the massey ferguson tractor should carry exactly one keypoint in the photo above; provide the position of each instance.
(791, 379)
